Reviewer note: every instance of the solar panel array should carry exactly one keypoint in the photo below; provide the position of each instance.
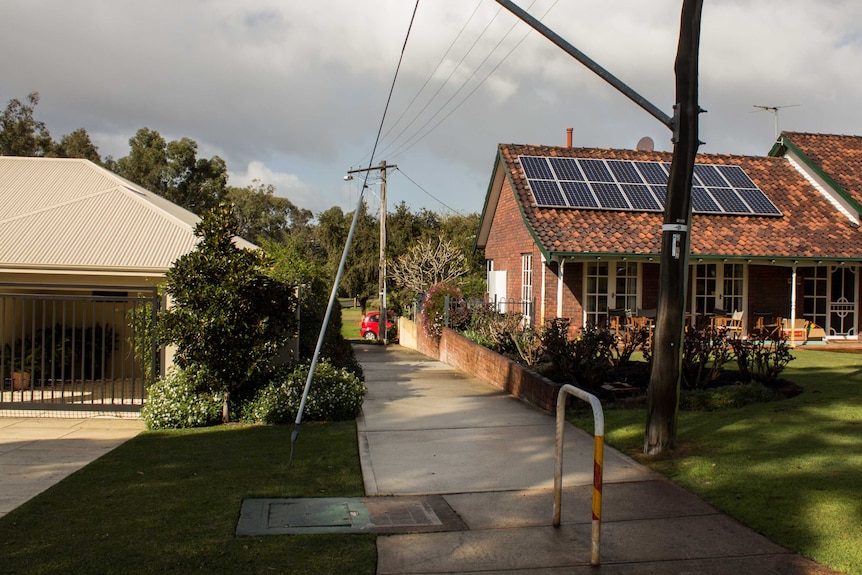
(640, 186)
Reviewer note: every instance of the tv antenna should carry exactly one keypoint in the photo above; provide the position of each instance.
(774, 110)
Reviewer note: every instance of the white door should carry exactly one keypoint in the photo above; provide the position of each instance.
(718, 285)
(609, 285)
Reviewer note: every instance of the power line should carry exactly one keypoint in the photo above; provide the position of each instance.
(434, 71)
(410, 144)
(432, 196)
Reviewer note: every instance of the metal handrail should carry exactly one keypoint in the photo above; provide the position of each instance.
(598, 459)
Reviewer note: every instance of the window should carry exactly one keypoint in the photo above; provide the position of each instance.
(527, 286)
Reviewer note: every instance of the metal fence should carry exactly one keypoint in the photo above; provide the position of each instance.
(77, 345)
(455, 308)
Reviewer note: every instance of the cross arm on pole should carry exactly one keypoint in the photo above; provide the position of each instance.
(650, 108)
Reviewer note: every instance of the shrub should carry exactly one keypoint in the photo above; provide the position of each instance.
(761, 359)
(435, 314)
(529, 345)
(335, 395)
(704, 353)
(495, 329)
(175, 402)
(586, 360)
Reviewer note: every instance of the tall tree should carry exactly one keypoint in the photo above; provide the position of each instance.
(262, 214)
(20, 133)
(78, 145)
(173, 170)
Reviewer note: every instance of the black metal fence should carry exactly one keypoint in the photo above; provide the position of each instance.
(458, 308)
(77, 345)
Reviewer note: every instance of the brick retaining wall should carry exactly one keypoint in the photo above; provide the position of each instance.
(456, 350)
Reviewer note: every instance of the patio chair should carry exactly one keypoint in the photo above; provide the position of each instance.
(731, 324)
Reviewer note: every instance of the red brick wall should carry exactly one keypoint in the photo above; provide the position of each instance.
(482, 363)
(507, 240)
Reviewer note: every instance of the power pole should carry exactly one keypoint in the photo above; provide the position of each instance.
(664, 384)
(381, 284)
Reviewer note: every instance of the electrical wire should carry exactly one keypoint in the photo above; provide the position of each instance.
(418, 139)
(432, 196)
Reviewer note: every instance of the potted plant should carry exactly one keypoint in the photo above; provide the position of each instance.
(19, 363)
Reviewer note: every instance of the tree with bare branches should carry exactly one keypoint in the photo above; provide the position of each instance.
(429, 262)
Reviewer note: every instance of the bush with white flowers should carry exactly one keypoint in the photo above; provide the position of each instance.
(335, 395)
(174, 402)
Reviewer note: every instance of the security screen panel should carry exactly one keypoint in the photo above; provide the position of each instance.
(626, 185)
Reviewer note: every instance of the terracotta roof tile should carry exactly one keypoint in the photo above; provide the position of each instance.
(809, 226)
(838, 156)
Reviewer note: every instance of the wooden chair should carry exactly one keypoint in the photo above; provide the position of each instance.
(731, 324)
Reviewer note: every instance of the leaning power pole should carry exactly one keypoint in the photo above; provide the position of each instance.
(663, 394)
(381, 283)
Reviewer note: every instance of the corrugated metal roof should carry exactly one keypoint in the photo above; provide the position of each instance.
(72, 214)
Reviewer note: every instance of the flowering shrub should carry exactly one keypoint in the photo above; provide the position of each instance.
(335, 395)
(434, 309)
(174, 402)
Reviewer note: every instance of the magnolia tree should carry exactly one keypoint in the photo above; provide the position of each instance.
(227, 316)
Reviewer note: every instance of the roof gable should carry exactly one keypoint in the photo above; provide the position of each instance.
(835, 159)
(72, 214)
(808, 227)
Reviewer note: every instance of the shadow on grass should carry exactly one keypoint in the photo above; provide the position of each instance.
(791, 469)
(168, 502)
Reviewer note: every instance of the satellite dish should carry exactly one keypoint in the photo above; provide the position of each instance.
(646, 144)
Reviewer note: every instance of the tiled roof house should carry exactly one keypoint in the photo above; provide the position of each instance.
(577, 231)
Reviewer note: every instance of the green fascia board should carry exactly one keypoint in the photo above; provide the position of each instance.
(784, 144)
(711, 257)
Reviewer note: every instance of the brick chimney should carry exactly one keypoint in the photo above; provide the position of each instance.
(569, 137)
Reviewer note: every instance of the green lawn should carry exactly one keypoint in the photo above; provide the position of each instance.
(168, 502)
(351, 317)
(791, 469)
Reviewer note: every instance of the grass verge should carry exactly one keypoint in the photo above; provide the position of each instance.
(168, 502)
(791, 469)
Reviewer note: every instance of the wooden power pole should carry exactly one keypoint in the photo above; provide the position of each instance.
(381, 283)
(664, 385)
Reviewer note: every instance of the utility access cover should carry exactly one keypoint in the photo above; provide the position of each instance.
(346, 515)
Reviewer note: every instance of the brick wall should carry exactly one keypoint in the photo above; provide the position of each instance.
(456, 350)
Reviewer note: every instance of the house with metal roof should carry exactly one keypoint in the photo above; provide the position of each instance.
(576, 233)
(82, 252)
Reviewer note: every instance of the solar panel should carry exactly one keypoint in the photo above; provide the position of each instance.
(610, 196)
(709, 176)
(729, 201)
(547, 193)
(737, 177)
(624, 172)
(758, 201)
(595, 171)
(578, 195)
(702, 202)
(660, 192)
(536, 167)
(652, 172)
(640, 186)
(566, 169)
(640, 197)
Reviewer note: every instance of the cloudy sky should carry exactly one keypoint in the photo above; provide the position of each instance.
(292, 92)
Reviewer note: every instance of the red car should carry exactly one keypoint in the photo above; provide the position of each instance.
(370, 324)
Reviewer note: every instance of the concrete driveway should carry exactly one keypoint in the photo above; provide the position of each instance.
(36, 453)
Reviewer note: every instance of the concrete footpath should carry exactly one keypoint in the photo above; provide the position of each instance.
(427, 429)
(36, 453)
